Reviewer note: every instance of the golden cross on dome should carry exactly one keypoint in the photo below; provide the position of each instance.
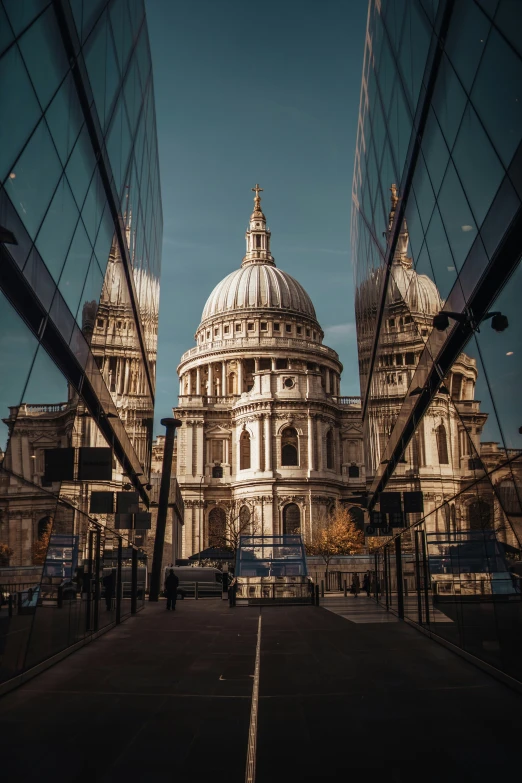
(257, 198)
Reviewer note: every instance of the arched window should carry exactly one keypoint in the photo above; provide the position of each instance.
(44, 526)
(232, 383)
(353, 471)
(244, 451)
(479, 515)
(291, 519)
(511, 497)
(244, 518)
(289, 447)
(329, 450)
(217, 524)
(442, 444)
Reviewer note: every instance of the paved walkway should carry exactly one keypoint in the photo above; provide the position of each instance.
(343, 694)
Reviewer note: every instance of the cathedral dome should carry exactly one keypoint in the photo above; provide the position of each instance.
(418, 292)
(258, 286)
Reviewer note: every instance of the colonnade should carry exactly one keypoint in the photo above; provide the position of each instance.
(217, 378)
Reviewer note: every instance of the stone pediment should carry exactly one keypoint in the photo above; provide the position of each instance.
(351, 429)
(217, 429)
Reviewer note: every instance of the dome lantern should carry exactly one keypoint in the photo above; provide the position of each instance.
(257, 235)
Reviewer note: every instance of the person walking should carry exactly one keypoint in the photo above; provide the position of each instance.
(171, 589)
(356, 585)
(366, 583)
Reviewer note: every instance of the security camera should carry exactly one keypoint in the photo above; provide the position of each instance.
(499, 322)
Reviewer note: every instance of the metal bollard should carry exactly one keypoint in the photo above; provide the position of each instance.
(317, 595)
(322, 588)
(60, 597)
(10, 605)
(196, 592)
(345, 588)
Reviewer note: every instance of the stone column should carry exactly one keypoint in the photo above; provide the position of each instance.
(224, 390)
(311, 443)
(127, 374)
(198, 381)
(255, 453)
(273, 363)
(328, 386)
(210, 389)
(189, 439)
(256, 365)
(181, 384)
(239, 376)
(189, 382)
(268, 442)
(200, 467)
(319, 436)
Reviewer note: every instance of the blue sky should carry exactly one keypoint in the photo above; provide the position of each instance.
(250, 93)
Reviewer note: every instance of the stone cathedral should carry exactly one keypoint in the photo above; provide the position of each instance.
(265, 430)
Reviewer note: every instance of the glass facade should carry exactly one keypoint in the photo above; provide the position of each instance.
(81, 232)
(436, 228)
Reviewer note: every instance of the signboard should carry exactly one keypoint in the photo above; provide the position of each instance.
(94, 464)
(142, 520)
(123, 521)
(413, 502)
(62, 556)
(58, 465)
(378, 519)
(396, 519)
(101, 503)
(127, 502)
(390, 502)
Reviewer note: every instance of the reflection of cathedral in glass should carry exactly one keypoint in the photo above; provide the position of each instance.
(446, 449)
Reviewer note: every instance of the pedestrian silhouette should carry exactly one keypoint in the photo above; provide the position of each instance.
(171, 589)
(355, 585)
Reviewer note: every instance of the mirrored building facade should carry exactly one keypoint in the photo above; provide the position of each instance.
(436, 233)
(80, 247)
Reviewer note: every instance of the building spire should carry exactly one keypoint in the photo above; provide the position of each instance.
(257, 235)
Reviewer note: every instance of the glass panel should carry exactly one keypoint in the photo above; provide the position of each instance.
(456, 215)
(89, 299)
(64, 118)
(122, 31)
(448, 102)
(72, 279)
(509, 19)
(80, 167)
(34, 178)
(21, 14)
(20, 109)
(6, 34)
(435, 151)
(57, 230)
(17, 351)
(466, 40)
(480, 182)
(496, 96)
(44, 55)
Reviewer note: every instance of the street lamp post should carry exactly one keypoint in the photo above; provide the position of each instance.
(200, 517)
(163, 504)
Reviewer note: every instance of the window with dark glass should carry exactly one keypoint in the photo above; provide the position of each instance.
(353, 471)
(232, 383)
(217, 471)
(410, 358)
(281, 364)
(456, 386)
(217, 523)
(238, 327)
(264, 326)
(479, 515)
(250, 327)
(291, 519)
(244, 451)
(276, 327)
(289, 447)
(329, 450)
(442, 444)
(226, 329)
(288, 327)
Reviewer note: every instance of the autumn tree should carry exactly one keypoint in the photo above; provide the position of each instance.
(236, 520)
(334, 533)
(41, 544)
